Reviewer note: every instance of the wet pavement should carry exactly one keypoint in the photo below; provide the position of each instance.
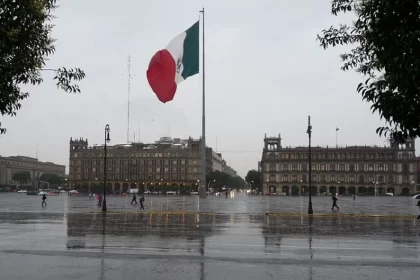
(215, 238)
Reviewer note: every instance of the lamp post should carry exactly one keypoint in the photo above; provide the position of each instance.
(209, 184)
(107, 139)
(309, 131)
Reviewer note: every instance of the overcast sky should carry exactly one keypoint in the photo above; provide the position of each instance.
(265, 73)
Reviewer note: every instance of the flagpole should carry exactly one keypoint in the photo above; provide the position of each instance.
(336, 137)
(202, 189)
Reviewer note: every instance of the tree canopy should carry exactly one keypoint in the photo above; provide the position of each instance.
(254, 178)
(26, 43)
(53, 179)
(21, 176)
(221, 179)
(386, 43)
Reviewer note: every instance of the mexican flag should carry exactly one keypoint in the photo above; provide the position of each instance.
(178, 61)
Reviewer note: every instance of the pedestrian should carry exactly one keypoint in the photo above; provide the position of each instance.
(99, 200)
(354, 196)
(134, 199)
(141, 202)
(44, 197)
(418, 204)
(90, 196)
(334, 199)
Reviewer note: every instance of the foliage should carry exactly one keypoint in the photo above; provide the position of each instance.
(386, 41)
(26, 43)
(53, 179)
(254, 178)
(221, 179)
(22, 177)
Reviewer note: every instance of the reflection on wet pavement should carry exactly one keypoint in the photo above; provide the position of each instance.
(70, 239)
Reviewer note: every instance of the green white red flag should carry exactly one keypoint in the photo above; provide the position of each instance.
(175, 63)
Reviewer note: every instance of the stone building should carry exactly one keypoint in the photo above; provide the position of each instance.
(11, 165)
(167, 164)
(342, 170)
(217, 162)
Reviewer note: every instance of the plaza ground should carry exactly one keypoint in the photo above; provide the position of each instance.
(214, 238)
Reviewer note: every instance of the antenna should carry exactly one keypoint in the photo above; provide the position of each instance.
(128, 101)
(36, 151)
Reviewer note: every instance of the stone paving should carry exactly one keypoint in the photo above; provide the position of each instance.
(215, 238)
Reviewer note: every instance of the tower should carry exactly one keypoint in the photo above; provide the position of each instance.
(77, 145)
(272, 143)
(76, 148)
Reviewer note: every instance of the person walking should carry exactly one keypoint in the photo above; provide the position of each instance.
(99, 200)
(141, 202)
(44, 197)
(334, 199)
(134, 199)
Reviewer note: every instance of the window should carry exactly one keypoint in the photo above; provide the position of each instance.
(304, 167)
(342, 167)
(285, 167)
(166, 169)
(332, 167)
(313, 166)
(342, 179)
(272, 167)
(294, 178)
(174, 162)
(157, 169)
(332, 178)
(322, 167)
(294, 167)
(313, 178)
(285, 178)
(351, 179)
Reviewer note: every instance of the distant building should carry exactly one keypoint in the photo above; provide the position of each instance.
(343, 170)
(13, 164)
(166, 164)
(229, 170)
(217, 162)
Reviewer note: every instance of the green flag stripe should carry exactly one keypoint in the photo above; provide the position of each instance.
(191, 54)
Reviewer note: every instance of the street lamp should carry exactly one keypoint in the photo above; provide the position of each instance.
(309, 131)
(107, 139)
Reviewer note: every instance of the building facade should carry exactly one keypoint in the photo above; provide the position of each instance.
(167, 164)
(229, 170)
(13, 164)
(217, 162)
(343, 170)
